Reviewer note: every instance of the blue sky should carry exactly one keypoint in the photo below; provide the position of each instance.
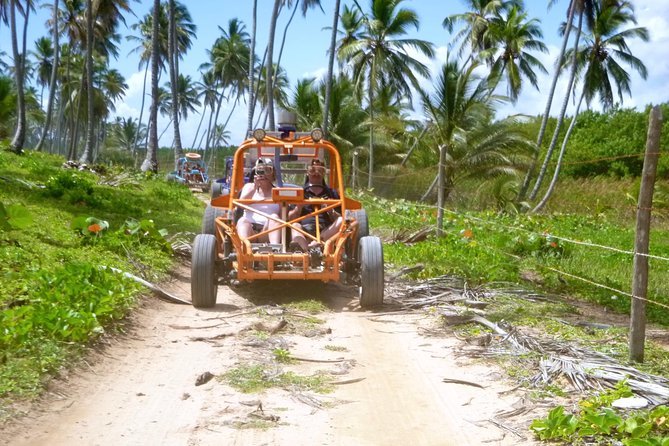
(307, 42)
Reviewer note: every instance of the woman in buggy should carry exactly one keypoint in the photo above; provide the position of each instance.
(329, 222)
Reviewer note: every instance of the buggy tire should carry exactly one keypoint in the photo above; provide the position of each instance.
(370, 253)
(363, 223)
(170, 178)
(203, 283)
(209, 219)
(216, 190)
(360, 215)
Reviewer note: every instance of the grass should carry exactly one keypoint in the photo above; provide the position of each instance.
(58, 228)
(254, 378)
(564, 251)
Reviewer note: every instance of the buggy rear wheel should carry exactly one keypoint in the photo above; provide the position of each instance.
(203, 282)
(353, 246)
(370, 253)
(216, 189)
(209, 219)
(360, 216)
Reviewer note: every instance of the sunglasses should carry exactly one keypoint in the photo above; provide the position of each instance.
(316, 170)
(263, 171)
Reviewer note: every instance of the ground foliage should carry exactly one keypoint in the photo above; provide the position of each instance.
(62, 230)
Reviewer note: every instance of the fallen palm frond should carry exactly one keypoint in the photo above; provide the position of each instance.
(181, 244)
(157, 290)
(583, 368)
(408, 237)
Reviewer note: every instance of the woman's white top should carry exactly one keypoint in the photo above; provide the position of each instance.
(267, 208)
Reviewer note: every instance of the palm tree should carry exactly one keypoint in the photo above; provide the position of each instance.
(380, 53)
(348, 127)
(585, 9)
(269, 64)
(461, 110)
(151, 161)
(250, 73)
(174, 73)
(209, 96)
(180, 28)
(124, 131)
(185, 32)
(44, 52)
(306, 6)
(516, 36)
(7, 106)
(53, 79)
(600, 58)
(328, 77)
(351, 24)
(19, 72)
(88, 148)
(228, 63)
(306, 104)
(280, 88)
(187, 97)
(476, 23)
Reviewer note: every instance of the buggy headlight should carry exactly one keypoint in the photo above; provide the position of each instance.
(259, 134)
(317, 135)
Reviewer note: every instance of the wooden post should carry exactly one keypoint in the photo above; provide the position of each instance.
(640, 279)
(354, 174)
(440, 190)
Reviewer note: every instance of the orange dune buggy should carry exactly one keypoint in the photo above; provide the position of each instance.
(352, 256)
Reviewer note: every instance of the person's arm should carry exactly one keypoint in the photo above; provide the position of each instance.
(247, 191)
(295, 211)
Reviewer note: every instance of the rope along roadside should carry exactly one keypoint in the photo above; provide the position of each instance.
(564, 239)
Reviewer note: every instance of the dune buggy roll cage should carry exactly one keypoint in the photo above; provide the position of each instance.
(291, 154)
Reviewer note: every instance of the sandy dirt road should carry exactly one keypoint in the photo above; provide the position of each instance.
(140, 389)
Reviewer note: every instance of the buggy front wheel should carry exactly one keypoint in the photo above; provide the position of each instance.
(370, 254)
(203, 282)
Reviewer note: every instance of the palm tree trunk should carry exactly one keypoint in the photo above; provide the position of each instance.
(549, 102)
(415, 143)
(227, 120)
(90, 130)
(174, 79)
(20, 133)
(165, 130)
(285, 32)
(257, 90)
(269, 84)
(74, 141)
(199, 125)
(565, 102)
(212, 131)
(551, 186)
(328, 79)
(370, 181)
(151, 161)
(208, 131)
(52, 80)
(141, 110)
(252, 53)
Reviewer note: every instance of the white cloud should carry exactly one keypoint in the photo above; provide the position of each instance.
(135, 85)
(319, 74)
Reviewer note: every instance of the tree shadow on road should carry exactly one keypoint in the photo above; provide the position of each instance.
(336, 297)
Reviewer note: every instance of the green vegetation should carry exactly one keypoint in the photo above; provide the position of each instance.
(564, 252)
(596, 420)
(257, 377)
(62, 234)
